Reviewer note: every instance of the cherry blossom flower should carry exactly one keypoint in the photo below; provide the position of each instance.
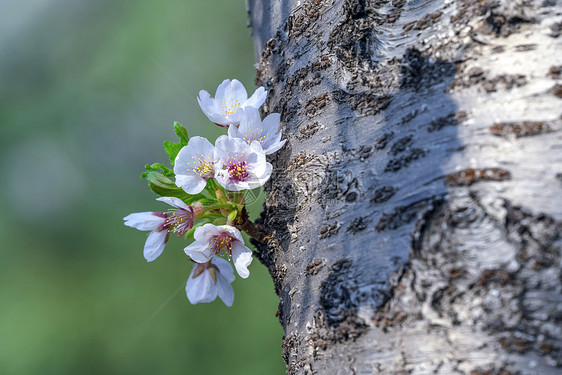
(252, 129)
(240, 166)
(194, 165)
(211, 240)
(160, 224)
(230, 96)
(207, 280)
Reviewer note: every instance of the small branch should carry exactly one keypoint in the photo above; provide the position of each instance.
(254, 230)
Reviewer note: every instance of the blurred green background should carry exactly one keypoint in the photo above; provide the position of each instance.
(88, 92)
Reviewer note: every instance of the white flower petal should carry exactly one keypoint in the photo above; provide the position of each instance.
(226, 147)
(250, 120)
(174, 202)
(221, 89)
(201, 289)
(224, 290)
(235, 90)
(191, 184)
(197, 146)
(257, 98)
(199, 251)
(233, 132)
(275, 146)
(194, 165)
(205, 232)
(143, 220)
(256, 181)
(154, 245)
(230, 97)
(232, 153)
(271, 122)
(225, 268)
(242, 257)
(231, 231)
(209, 107)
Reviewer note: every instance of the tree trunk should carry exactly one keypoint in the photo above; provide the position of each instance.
(414, 217)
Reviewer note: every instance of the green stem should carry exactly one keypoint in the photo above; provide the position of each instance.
(228, 206)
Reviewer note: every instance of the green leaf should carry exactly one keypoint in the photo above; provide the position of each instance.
(165, 187)
(195, 198)
(155, 167)
(181, 132)
(172, 149)
(207, 201)
(189, 234)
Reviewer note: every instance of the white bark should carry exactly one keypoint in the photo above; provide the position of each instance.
(416, 211)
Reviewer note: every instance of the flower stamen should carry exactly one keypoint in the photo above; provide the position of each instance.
(178, 221)
(238, 170)
(222, 244)
(228, 107)
(203, 166)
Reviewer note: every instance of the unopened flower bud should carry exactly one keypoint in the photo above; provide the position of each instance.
(198, 210)
(220, 196)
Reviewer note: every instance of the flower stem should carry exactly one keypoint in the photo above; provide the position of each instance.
(254, 230)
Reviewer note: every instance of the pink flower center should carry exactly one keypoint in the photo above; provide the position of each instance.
(222, 244)
(178, 221)
(238, 170)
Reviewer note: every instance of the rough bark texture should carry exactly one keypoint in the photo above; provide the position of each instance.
(414, 220)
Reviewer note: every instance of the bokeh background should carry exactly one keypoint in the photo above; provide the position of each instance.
(88, 92)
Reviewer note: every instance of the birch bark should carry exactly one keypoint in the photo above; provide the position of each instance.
(414, 219)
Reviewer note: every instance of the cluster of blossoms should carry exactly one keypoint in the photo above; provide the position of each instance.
(206, 200)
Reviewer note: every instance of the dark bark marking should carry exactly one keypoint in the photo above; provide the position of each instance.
(329, 230)
(525, 47)
(441, 122)
(310, 75)
(520, 129)
(405, 214)
(497, 276)
(556, 29)
(358, 224)
(477, 77)
(383, 194)
(313, 107)
(339, 304)
(423, 24)
(366, 103)
(418, 71)
(492, 371)
(504, 81)
(308, 131)
(365, 152)
(403, 161)
(401, 145)
(303, 19)
(315, 266)
(469, 176)
(381, 142)
(351, 197)
(555, 71)
(556, 90)
(337, 185)
(514, 302)
(502, 24)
